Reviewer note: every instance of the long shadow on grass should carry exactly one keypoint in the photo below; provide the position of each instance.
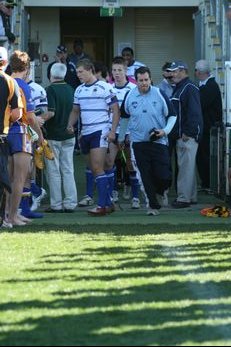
(109, 322)
(149, 261)
(122, 229)
(207, 257)
(149, 308)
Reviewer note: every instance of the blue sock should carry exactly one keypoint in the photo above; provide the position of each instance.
(102, 186)
(134, 184)
(111, 178)
(90, 182)
(35, 189)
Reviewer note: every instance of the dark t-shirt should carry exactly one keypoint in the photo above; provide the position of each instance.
(7, 91)
(60, 100)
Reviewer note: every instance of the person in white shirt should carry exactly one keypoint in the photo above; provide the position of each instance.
(132, 64)
(39, 97)
(121, 86)
(94, 100)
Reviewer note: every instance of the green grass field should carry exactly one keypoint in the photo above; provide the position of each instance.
(126, 279)
(116, 285)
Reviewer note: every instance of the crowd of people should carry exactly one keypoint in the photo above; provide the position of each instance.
(104, 113)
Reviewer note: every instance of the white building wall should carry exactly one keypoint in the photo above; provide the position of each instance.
(45, 29)
(157, 36)
(124, 31)
(164, 36)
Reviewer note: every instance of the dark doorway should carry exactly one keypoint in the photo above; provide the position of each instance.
(95, 31)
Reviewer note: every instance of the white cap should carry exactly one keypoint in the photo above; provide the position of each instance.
(3, 54)
(202, 66)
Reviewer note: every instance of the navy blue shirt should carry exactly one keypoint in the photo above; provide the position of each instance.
(186, 101)
(71, 75)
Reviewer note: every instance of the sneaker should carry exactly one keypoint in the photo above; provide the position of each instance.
(86, 201)
(36, 200)
(135, 203)
(115, 196)
(47, 150)
(126, 192)
(152, 212)
(205, 190)
(97, 211)
(38, 158)
(6, 225)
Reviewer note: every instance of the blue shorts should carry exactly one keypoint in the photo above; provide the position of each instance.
(97, 139)
(19, 143)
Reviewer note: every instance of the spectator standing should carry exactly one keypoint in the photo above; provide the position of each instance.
(188, 133)
(10, 111)
(211, 104)
(93, 100)
(60, 171)
(78, 52)
(62, 57)
(150, 111)
(132, 64)
(5, 14)
(101, 71)
(166, 85)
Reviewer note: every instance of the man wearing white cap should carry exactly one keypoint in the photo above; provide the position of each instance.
(211, 104)
(10, 104)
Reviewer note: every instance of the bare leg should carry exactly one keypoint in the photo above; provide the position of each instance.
(21, 168)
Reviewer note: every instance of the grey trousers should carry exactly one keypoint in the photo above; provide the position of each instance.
(60, 175)
(186, 178)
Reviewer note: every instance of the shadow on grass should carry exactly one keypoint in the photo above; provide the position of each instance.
(148, 261)
(109, 323)
(119, 229)
(159, 312)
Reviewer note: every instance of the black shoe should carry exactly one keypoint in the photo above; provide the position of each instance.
(68, 210)
(51, 210)
(180, 204)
